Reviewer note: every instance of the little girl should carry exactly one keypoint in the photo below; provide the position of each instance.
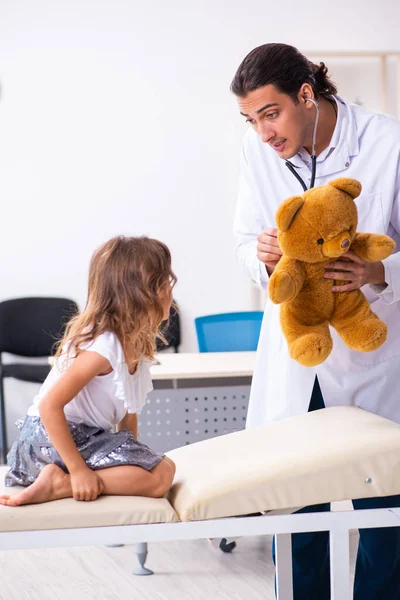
(67, 446)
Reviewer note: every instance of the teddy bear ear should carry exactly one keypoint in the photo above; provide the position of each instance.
(345, 184)
(287, 212)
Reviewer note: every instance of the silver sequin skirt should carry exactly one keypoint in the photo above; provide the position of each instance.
(33, 450)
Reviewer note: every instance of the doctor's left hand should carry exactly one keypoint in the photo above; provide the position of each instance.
(355, 271)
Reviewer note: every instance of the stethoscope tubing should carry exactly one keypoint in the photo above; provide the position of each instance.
(313, 154)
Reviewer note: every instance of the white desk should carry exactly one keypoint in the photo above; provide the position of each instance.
(196, 396)
(206, 365)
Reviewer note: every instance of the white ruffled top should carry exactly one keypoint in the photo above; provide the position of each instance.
(106, 399)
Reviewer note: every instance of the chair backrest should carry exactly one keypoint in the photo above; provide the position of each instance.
(32, 326)
(229, 332)
(172, 330)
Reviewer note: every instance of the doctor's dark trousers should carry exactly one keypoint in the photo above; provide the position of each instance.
(377, 575)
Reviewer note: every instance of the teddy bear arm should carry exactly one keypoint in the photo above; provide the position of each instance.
(286, 281)
(372, 247)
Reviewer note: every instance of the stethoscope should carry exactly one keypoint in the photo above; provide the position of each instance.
(291, 167)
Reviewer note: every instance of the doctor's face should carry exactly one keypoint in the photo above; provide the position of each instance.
(278, 120)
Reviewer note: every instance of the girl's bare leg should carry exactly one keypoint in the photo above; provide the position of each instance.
(135, 481)
(54, 484)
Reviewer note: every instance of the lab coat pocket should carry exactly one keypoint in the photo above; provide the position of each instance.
(370, 213)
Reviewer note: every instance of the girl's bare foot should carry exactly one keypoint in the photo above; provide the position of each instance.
(52, 484)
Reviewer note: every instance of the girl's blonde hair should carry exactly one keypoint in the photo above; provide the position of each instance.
(129, 277)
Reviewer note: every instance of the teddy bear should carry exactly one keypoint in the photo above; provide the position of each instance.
(315, 229)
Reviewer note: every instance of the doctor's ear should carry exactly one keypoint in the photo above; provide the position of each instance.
(306, 93)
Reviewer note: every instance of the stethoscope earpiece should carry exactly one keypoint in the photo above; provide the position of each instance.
(311, 100)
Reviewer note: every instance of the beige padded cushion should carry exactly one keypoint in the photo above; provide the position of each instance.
(318, 457)
(321, 456)
(66, 514)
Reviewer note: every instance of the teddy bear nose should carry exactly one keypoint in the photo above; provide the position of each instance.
(345, 244)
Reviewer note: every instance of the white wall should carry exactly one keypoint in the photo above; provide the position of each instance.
(116, 117)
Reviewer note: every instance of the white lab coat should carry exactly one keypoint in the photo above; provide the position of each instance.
(365, 146)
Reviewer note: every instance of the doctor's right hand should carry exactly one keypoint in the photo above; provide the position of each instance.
(268, 251)
(86, 484)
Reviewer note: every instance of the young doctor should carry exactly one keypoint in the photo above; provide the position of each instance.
(288, 101)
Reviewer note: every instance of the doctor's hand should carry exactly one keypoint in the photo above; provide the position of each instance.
(268, 251)
(356, 272)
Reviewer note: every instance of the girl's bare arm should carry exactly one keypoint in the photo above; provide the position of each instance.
(51, 409)
(129, 422)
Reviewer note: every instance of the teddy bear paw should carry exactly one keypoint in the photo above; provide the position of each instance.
(311, 349)
(382, 247)
(281, 287)
(367, 336)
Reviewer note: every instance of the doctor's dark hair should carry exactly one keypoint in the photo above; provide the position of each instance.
(284, 67)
